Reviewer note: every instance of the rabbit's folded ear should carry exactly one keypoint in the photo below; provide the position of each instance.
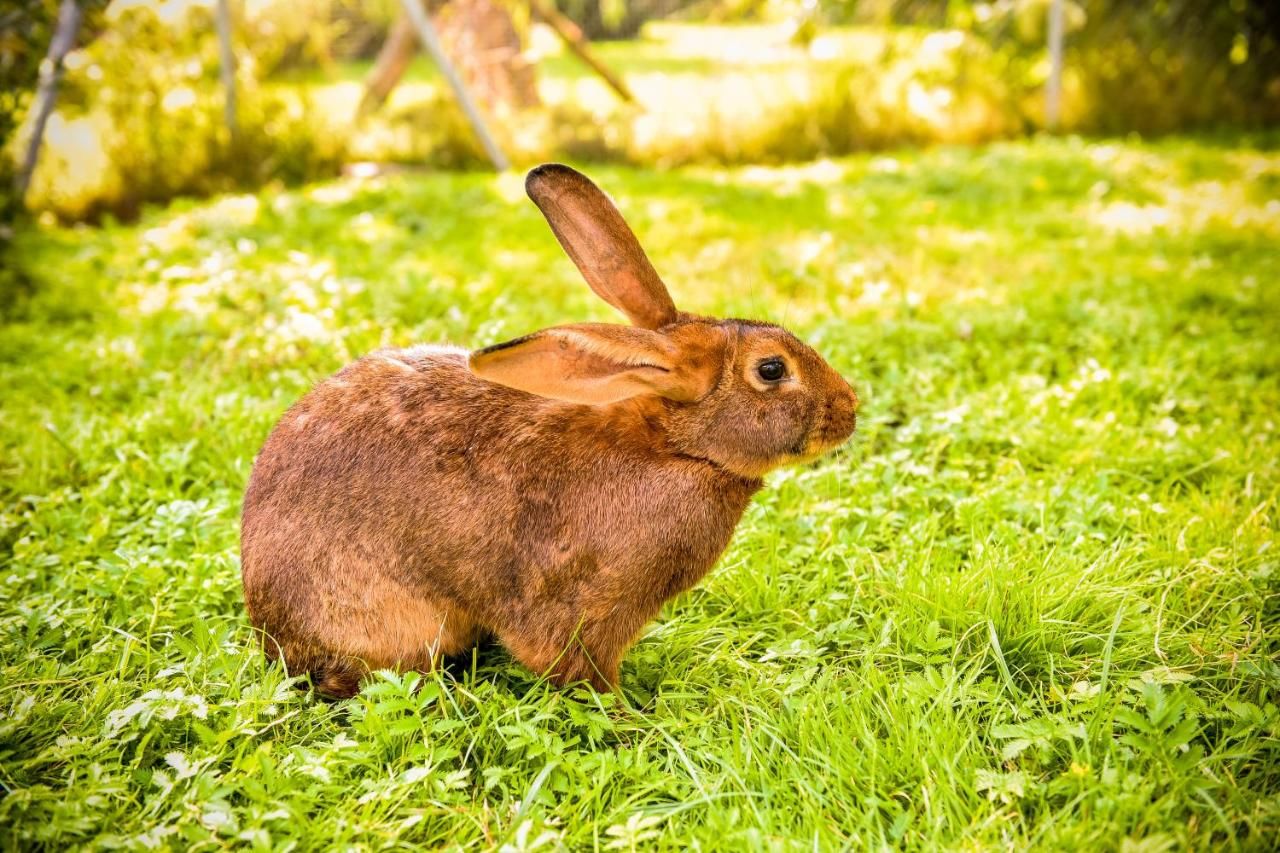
(593, 363)
(596, 237)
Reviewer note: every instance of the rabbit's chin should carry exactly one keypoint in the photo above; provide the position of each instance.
(816, 448)
(812, 452)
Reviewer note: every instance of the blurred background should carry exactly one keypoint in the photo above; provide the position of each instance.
(143, 102)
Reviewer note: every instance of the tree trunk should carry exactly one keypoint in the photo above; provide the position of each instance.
(481, 42)
(393, 60)
(1053, 91)
(227, 63)
(427, 35)
(573, 38)
(64, 38)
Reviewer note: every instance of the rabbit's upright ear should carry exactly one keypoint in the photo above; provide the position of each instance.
(593, 363)
(599, 241)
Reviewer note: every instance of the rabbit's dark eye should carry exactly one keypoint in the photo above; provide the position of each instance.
(771, 370)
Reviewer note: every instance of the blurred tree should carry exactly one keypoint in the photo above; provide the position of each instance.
(392, 62)
(483, 43)
(574, 39)
(1174, 64)
(480, 39)
(26, 30)
(142, 119)
(621, 19)
(361, 27)
(1149, 67)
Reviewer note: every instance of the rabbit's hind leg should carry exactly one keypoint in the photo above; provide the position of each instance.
(332, 675)
(338, 678)
(564, 659)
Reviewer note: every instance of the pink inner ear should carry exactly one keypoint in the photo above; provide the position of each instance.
(577, 365)
(583, 364)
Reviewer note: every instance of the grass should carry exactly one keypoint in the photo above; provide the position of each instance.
(1035, 605)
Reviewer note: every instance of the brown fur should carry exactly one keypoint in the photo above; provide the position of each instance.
(423, 498)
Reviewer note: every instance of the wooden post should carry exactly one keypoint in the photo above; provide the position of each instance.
(1053, 93)
(573, 38)
(427, 35)
(227, 60)
(392, 62)
(64, 38)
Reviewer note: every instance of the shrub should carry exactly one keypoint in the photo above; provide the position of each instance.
(616, 19)
(1177, 64)
(919, 88)
(1145, 67)
(141, 120)
(23, 28)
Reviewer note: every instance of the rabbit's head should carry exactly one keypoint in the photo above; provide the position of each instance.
(745, 395)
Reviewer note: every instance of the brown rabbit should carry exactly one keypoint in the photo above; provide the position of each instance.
(551, 491)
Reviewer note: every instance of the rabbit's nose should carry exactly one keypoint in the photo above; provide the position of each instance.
(851, 400)
(843, 414)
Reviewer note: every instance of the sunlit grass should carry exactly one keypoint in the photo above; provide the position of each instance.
(1033, 604)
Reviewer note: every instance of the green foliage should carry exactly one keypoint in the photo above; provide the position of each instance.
(24, 29)
(1162, 730)
(358, 28)
(616, 19)
(910, 88)
(1142, 67)
(1176, 64)
(1130, 67)
(119, 147)
(143, 118)
(1034, 604)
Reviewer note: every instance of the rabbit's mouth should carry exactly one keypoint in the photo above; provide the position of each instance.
(838, 421)
(819, 443)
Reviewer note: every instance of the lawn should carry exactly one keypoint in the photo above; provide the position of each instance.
(1033, 604)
